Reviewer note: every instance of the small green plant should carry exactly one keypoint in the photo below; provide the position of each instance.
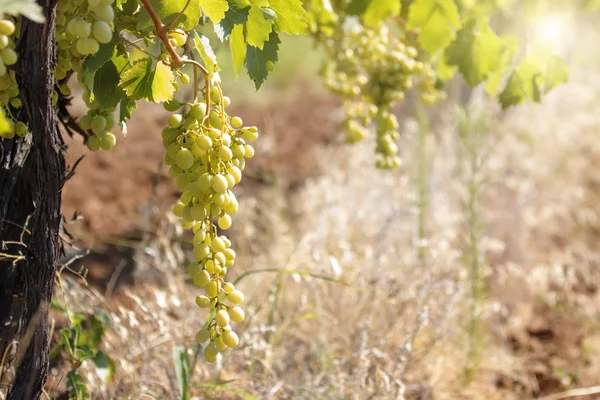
(81, 342)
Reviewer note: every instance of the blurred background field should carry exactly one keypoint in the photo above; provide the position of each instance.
(471, 272)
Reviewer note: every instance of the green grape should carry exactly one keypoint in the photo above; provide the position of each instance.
(93, 143)
(21, 129)
(172, 105)
(228, 287)
(102, 32)
(236, 314)
(202, 336)
(7, 27)
(9, 56)
(235, 297)
(198, 111)
(104, 13)
(175, 120)
(230, 338)
(202, 301)
(210, 352)
(83, 28)
(184, 158)
(215, 120)
(211, 289)
(236, 122)
(16, 102)
(179, 37)
(222, 318)
(224, 222)
(185, 79)
(198, 212)
(108, 141)
(201, 279)
(98, 124)
(219, 184)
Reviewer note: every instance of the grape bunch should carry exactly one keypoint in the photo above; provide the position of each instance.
(82, 26)
(206, 151)
(9, 89)
(372, 70)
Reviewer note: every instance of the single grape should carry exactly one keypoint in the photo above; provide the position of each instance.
(222, 318)
(224, 222)
(105, 13)
(9, 56)
(7, 27)
(184, 159)
(230, 338)
(202, 336)
(236, 122)
(93, 143)
(98, 124)
(102, 32)
(236, 314)
(235, 297)
(108, 141)
(21, 129)
(202, 301)
(83, 28)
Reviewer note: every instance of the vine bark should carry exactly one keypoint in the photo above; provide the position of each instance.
(32, 174)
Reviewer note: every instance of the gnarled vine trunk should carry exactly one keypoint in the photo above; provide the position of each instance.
(31, 178)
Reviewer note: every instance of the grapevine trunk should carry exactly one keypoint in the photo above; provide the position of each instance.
(32, 174)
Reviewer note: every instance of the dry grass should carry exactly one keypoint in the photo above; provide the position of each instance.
(391, 322)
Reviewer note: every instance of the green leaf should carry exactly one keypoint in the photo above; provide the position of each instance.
(182, 367)
(357, 7)
(105, 366)
(233, 16)
(126, 107)
(76, 389)
(495, 77)
(476, 51)
(237, 47)
(209, 59)
(95, 62)
(436, 21)
(377, 11)
(214, 9)
(291, 17)
(143, 81)
(107, 93)
(169, 10)
(444, 71)
(537, 74)
(257, 28)
(260, 62)
(27, 8)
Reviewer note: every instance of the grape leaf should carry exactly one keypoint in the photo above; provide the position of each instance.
(357, 7)
(444, 71)
(237, 47)
(436, 21)
(537, 74)
(377, 11)
(495, 77)
(209, 59)
(107, 93)
(234, 16)
(168, 10)
(260, 62)
(476, 51)
(162, 83)
(96, 61)
(27, 8)
(291, 17)
(143, 81)
(257, 28)
(214, 9)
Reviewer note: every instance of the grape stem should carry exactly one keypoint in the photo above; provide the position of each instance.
(162, 35)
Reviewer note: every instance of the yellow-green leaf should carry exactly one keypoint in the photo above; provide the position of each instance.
(237, 46)
(436, 22)
(257, 28)
(214, 9)
(377, 11)
(291, 17)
